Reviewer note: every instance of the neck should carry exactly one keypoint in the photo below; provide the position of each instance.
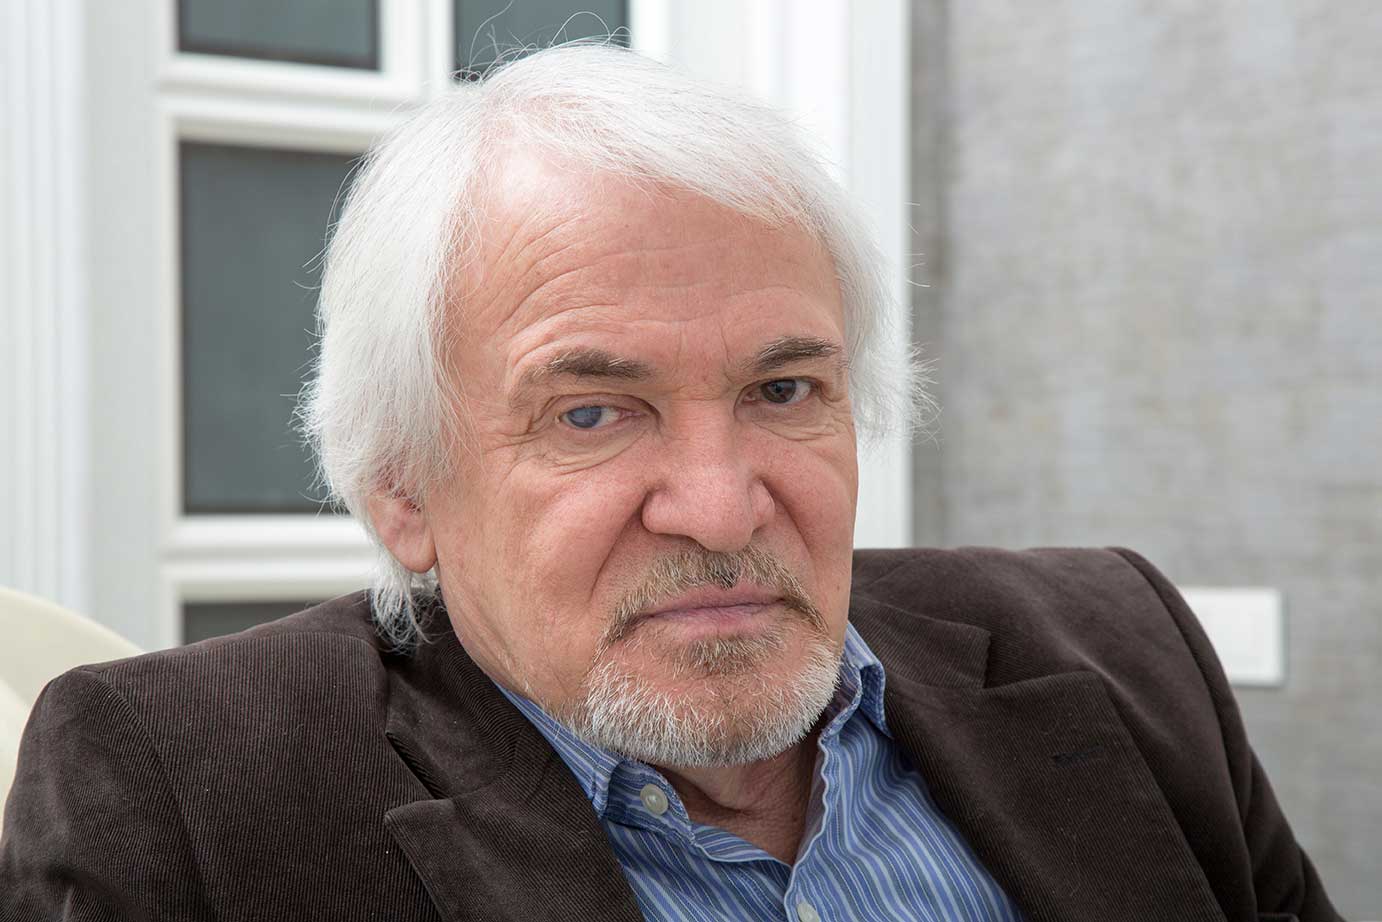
(764, 803)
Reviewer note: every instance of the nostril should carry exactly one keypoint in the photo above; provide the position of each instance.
(764, 506)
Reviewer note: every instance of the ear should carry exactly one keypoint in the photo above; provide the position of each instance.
(402, 526)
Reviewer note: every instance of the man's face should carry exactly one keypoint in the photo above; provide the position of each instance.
(655, 518)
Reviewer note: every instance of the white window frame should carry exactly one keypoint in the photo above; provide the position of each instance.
(284, 106)
(841, 66)
(44, 412)
(399, 80)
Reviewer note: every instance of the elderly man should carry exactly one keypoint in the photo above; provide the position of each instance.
(596, 341)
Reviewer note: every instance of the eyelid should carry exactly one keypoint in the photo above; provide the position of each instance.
(604, 401)
(568, 402)
(622, 403)
(814, 385)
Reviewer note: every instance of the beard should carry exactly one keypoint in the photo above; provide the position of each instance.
(716, 702)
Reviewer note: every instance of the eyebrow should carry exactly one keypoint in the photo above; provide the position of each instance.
(789, 349)
(597, 364)
(580, 363)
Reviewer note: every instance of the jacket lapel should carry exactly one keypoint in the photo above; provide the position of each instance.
(501, 829)
(1040, 776)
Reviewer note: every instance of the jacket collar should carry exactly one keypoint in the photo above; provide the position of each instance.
(503, 830)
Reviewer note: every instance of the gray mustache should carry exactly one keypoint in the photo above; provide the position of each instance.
(692, 568)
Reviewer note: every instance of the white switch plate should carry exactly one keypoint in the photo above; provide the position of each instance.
(1247, 629)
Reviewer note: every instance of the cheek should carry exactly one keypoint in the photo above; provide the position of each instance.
(568, 524)
(560, 536)
(525, 588)
(817, 483)
(816, 487)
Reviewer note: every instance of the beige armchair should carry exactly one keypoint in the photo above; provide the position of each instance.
(38, 642)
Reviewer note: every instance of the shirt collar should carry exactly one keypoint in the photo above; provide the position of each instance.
(861, 662)
(859, 688)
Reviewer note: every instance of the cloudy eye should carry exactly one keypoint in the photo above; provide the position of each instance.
(588, 417)
(785, 390)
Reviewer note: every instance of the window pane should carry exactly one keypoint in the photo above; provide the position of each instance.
(201, 620)
(481, 24)
(340, 33)
(253, 223)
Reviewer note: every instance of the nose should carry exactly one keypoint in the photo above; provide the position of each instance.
(708, 487)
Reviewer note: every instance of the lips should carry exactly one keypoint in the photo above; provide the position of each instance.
(709, 599)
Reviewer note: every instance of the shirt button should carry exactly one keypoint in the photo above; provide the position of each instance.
(654, 800)
(807, 913)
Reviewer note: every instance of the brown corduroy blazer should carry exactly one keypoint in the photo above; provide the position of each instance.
(1064, 707)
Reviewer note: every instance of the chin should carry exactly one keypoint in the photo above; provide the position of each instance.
(718, 701)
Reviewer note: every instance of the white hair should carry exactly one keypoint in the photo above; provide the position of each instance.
(380, 408)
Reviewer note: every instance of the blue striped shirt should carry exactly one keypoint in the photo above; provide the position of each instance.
(875, 846)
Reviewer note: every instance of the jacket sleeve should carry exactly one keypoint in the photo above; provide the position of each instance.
(91, 828)
(1284, 879)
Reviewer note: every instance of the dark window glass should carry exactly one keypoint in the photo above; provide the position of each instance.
(486, 29)
(338, 33)
(253, 222)
(201, 620)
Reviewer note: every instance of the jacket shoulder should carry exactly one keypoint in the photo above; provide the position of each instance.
(1047, 609)
(293, 677)
(343, 622)
(243, 757)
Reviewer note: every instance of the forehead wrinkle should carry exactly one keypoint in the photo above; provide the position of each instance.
(517, 238)
(526, 280)
(795, 290)
(646, 271)
(566, 285)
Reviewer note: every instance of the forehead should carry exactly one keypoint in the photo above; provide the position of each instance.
(564, 252)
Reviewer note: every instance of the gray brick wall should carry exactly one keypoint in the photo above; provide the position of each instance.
(1153, 236)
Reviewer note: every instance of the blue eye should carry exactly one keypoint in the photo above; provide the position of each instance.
(587, 417)
(785, 390)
